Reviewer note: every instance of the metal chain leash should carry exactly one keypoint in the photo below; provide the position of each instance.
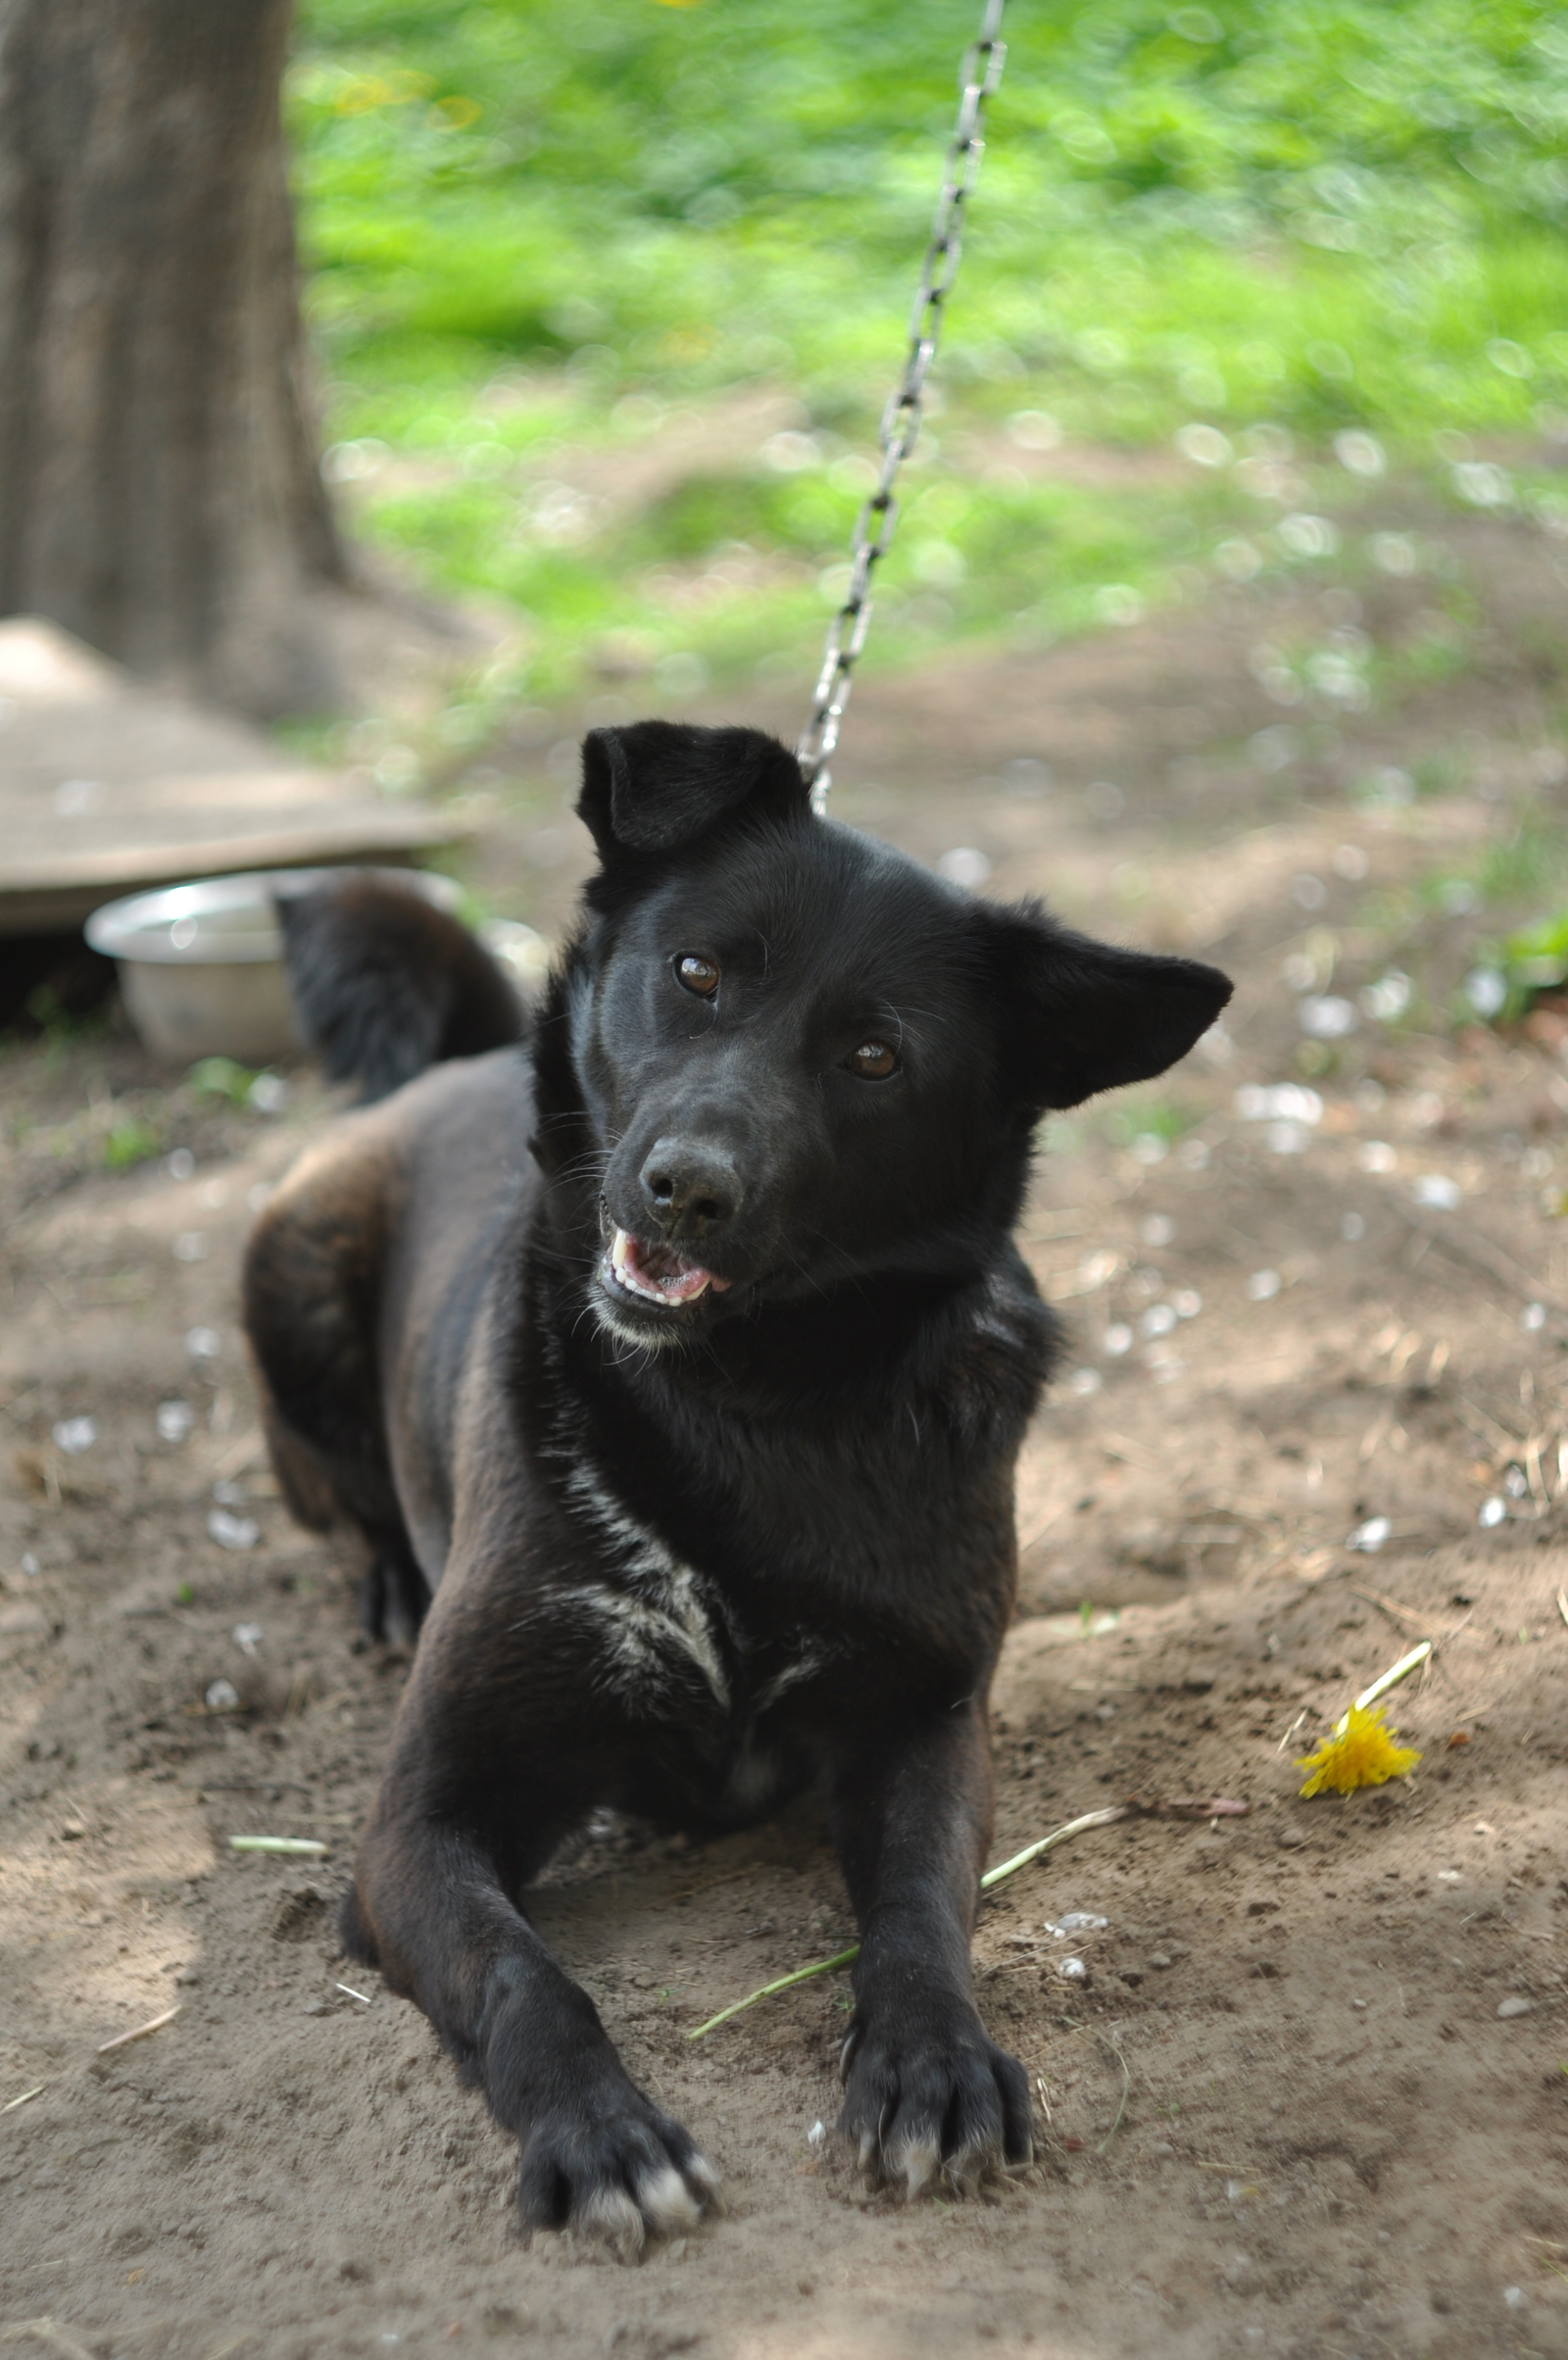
(900, 419)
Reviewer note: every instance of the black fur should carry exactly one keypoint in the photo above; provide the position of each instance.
(384, 984)
(686, 1360)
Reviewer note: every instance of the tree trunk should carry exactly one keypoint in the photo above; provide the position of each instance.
(159, 493)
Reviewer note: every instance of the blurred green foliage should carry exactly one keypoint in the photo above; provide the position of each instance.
(533, 226)
(130, 1142)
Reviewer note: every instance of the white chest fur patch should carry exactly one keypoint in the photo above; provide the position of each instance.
(660, 1621)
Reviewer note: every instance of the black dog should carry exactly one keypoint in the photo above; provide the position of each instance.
(685, 1361)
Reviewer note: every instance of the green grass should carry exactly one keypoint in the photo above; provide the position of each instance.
(530, 226)
(130, 1142)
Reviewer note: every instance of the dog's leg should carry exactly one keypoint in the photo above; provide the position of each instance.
(925, 2090)
(394, 1595)
(493, 1761)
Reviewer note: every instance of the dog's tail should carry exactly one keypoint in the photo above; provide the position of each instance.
(385, 984)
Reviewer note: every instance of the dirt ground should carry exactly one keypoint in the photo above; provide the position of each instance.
(1309, 2096)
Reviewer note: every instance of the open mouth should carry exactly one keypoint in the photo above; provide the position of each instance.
(655, 1274)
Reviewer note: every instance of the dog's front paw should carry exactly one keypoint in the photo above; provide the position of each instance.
(615, 2176)
(926, 2093)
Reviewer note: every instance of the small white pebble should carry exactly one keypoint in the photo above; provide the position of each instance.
(1376, 1156)
(232, 1532)
(73, 1434)
(268, 1094)
(1494, 1511)
(1486, 990)
(174, 1420)
(1533, 1318)
(1518, 2005)
(203, 1343)
(815, 2135)
(1072, 1970)
(1435, 1190)
(1084, 1381)
(1371, 1536)
(221, 1697)
(1157, 1230)
(1118, 1339)
(1353, 1228)
(247, 1637)
(1188, 1304)
(1158, 1319)
(1262, 1286)
(1325, 1017)
(180, 1163)
(964, 866)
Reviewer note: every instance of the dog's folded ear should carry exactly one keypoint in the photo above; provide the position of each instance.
(660, 784)
(1079, 1016)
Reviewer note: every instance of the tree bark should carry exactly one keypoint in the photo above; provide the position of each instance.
(160, 491)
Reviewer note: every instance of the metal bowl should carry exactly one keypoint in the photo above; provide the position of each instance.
(201, 966)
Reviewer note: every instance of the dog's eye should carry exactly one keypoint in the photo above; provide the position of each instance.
(873, 1061)
(694, 973)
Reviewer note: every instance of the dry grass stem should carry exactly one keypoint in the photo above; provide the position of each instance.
(300, 1848)
(47, 2332)
(1121, 2103)
(1376, 1597)
(156, 2025)
(12, 2103)
(1487, 1257)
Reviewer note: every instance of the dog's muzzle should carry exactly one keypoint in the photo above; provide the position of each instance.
(656, 1276)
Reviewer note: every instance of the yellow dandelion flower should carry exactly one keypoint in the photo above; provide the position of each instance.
(1362, 1752)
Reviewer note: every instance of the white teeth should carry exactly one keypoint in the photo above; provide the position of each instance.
(623, 1248)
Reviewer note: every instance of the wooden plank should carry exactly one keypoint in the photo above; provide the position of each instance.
(108, 785)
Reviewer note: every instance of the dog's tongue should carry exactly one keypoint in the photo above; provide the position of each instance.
(659, 1270)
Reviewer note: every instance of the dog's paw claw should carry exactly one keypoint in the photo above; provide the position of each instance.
(924, 2110)
(615, 2182)
(665, 2201)
(916, 2162)
(609, 2218)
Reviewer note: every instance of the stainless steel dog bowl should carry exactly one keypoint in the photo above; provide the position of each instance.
(201, 966)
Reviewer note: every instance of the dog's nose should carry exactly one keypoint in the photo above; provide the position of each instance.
(690, 1186)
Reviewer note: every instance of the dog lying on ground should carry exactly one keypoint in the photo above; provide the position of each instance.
(679, 1362)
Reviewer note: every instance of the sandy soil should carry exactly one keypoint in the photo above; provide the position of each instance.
(1310, 2095)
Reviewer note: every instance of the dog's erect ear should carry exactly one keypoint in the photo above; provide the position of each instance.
(660, 784)
(1080, 1015)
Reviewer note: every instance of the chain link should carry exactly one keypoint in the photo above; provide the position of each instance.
(981, 73)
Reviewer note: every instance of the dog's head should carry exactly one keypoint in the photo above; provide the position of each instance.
(804, 1059)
